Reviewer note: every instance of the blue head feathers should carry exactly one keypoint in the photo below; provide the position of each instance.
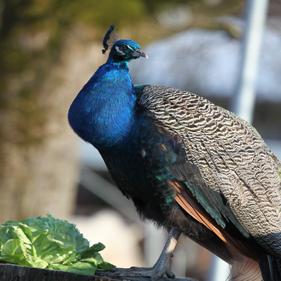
(122, 50)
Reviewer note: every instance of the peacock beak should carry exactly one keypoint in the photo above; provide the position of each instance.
(139, 53)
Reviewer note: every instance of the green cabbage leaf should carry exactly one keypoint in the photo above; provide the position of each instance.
(47, 242)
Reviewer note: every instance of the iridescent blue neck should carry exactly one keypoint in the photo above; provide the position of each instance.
(104, 110)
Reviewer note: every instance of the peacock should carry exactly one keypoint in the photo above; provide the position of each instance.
(189, 165)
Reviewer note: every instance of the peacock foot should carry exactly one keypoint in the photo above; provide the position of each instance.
(160, 269)
(154, 273)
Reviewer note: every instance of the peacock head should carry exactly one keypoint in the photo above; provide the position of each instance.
(122, 50)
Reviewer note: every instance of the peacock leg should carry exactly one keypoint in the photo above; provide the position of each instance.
(162, 266)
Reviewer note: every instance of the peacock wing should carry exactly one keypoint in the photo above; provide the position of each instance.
(237, 176)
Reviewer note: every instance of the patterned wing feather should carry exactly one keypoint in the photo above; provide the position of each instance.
(231, 158)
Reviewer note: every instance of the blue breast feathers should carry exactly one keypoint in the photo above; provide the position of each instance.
(103, 111)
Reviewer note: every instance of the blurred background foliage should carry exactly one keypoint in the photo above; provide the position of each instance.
(51, 19)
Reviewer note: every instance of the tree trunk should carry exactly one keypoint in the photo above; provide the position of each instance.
(38, 150)
(38, 165)
(10, 272)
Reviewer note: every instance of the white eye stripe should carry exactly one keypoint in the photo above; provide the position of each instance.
(119, 51)
(129, 47)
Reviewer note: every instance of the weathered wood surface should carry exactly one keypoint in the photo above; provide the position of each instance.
(10, 272)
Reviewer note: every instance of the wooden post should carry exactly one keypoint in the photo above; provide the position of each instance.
(9, 272)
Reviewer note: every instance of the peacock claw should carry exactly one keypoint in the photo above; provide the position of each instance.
(160, 268)
(154, 273)
(170, 274)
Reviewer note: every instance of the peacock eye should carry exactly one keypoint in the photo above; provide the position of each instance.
(129, 47)
(120, 49)
(124, 47)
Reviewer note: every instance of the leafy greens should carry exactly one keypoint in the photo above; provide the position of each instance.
(46, 242)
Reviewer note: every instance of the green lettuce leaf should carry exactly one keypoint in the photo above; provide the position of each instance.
(46, 242)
